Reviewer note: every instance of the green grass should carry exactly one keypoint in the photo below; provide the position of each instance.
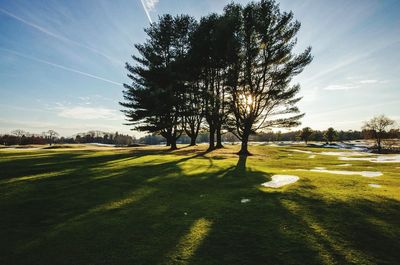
(152, 206)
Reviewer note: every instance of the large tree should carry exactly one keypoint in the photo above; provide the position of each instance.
(51, 135)
(154, 101)
(260, 81)
(305, 134)
(213, 48)
(330, 135)
(378, 127)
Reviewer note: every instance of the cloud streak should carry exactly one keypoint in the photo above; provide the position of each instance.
(62, 67)
(369, 81)
(89, 113)
(340, 87)
(57, 36)
(149, 5)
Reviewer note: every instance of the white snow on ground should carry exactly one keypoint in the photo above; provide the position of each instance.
(368, 174)
(344, 165)
(100, 144)
(245, 200)
(377, 159)
(344, 153)
(374, 185)
(301, 151)
(280, 180)
(388, 159)
(353, 156)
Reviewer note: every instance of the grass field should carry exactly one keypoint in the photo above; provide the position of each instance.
(151, 206)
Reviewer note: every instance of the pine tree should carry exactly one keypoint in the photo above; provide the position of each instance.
(154, 102)
(260, 90)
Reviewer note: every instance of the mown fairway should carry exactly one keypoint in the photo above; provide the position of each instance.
(151, 206)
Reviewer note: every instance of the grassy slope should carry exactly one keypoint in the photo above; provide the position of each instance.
(150, 206)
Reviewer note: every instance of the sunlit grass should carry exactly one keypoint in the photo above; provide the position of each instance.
(152, 206)
(189, 243)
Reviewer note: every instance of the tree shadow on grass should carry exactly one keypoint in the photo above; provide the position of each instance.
(182, 218)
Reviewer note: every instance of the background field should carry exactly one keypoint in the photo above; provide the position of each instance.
(147, 205)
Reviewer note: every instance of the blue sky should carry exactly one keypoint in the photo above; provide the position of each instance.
(62, 62)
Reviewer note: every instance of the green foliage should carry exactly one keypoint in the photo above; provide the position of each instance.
(234, 69)
(330, 135)
(305, 134)
(154, 101)
(261, 90)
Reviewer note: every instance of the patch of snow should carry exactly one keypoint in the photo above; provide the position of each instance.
(311, 156)
(320, 168)
(377, 159)
(368, 174)
(100, 144)
(278, 181)
(301, 151)
(245, 200)
(344, 153)
(387, 159)
(345, 158)
(374, 185)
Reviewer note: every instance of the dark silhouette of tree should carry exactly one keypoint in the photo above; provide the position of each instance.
(19, 134)
(377, 127)
(305, 134)
(154, 101)
(259, 81)
(330, 135)
(234, 70)
(51, 135)
(194, 102)
(209, 52)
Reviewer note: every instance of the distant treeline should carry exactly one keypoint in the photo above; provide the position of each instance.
(316, 135)
(20, 137)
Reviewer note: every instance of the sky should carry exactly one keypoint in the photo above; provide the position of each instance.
(62, 62)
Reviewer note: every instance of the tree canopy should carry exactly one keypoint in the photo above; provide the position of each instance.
(226, 73)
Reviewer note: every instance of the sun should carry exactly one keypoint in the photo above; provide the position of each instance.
(247, 102)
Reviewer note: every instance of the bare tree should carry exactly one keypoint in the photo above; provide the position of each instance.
(52, 135)
(19, 133)
(378, 126)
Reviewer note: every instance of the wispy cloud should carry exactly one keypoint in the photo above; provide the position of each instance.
(373, 81)
(57, 36)
(340, 87)
(369, 81)
(89, 113)
(149, 5)
(62, 67)
(355, 84)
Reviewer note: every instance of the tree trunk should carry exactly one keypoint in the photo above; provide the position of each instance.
(379, 145)
(219, 138)
(193, 141)
(243, 149)
(168, 141)
(211, 145)
(173, 144)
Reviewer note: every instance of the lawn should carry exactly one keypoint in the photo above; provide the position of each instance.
(152, 206)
